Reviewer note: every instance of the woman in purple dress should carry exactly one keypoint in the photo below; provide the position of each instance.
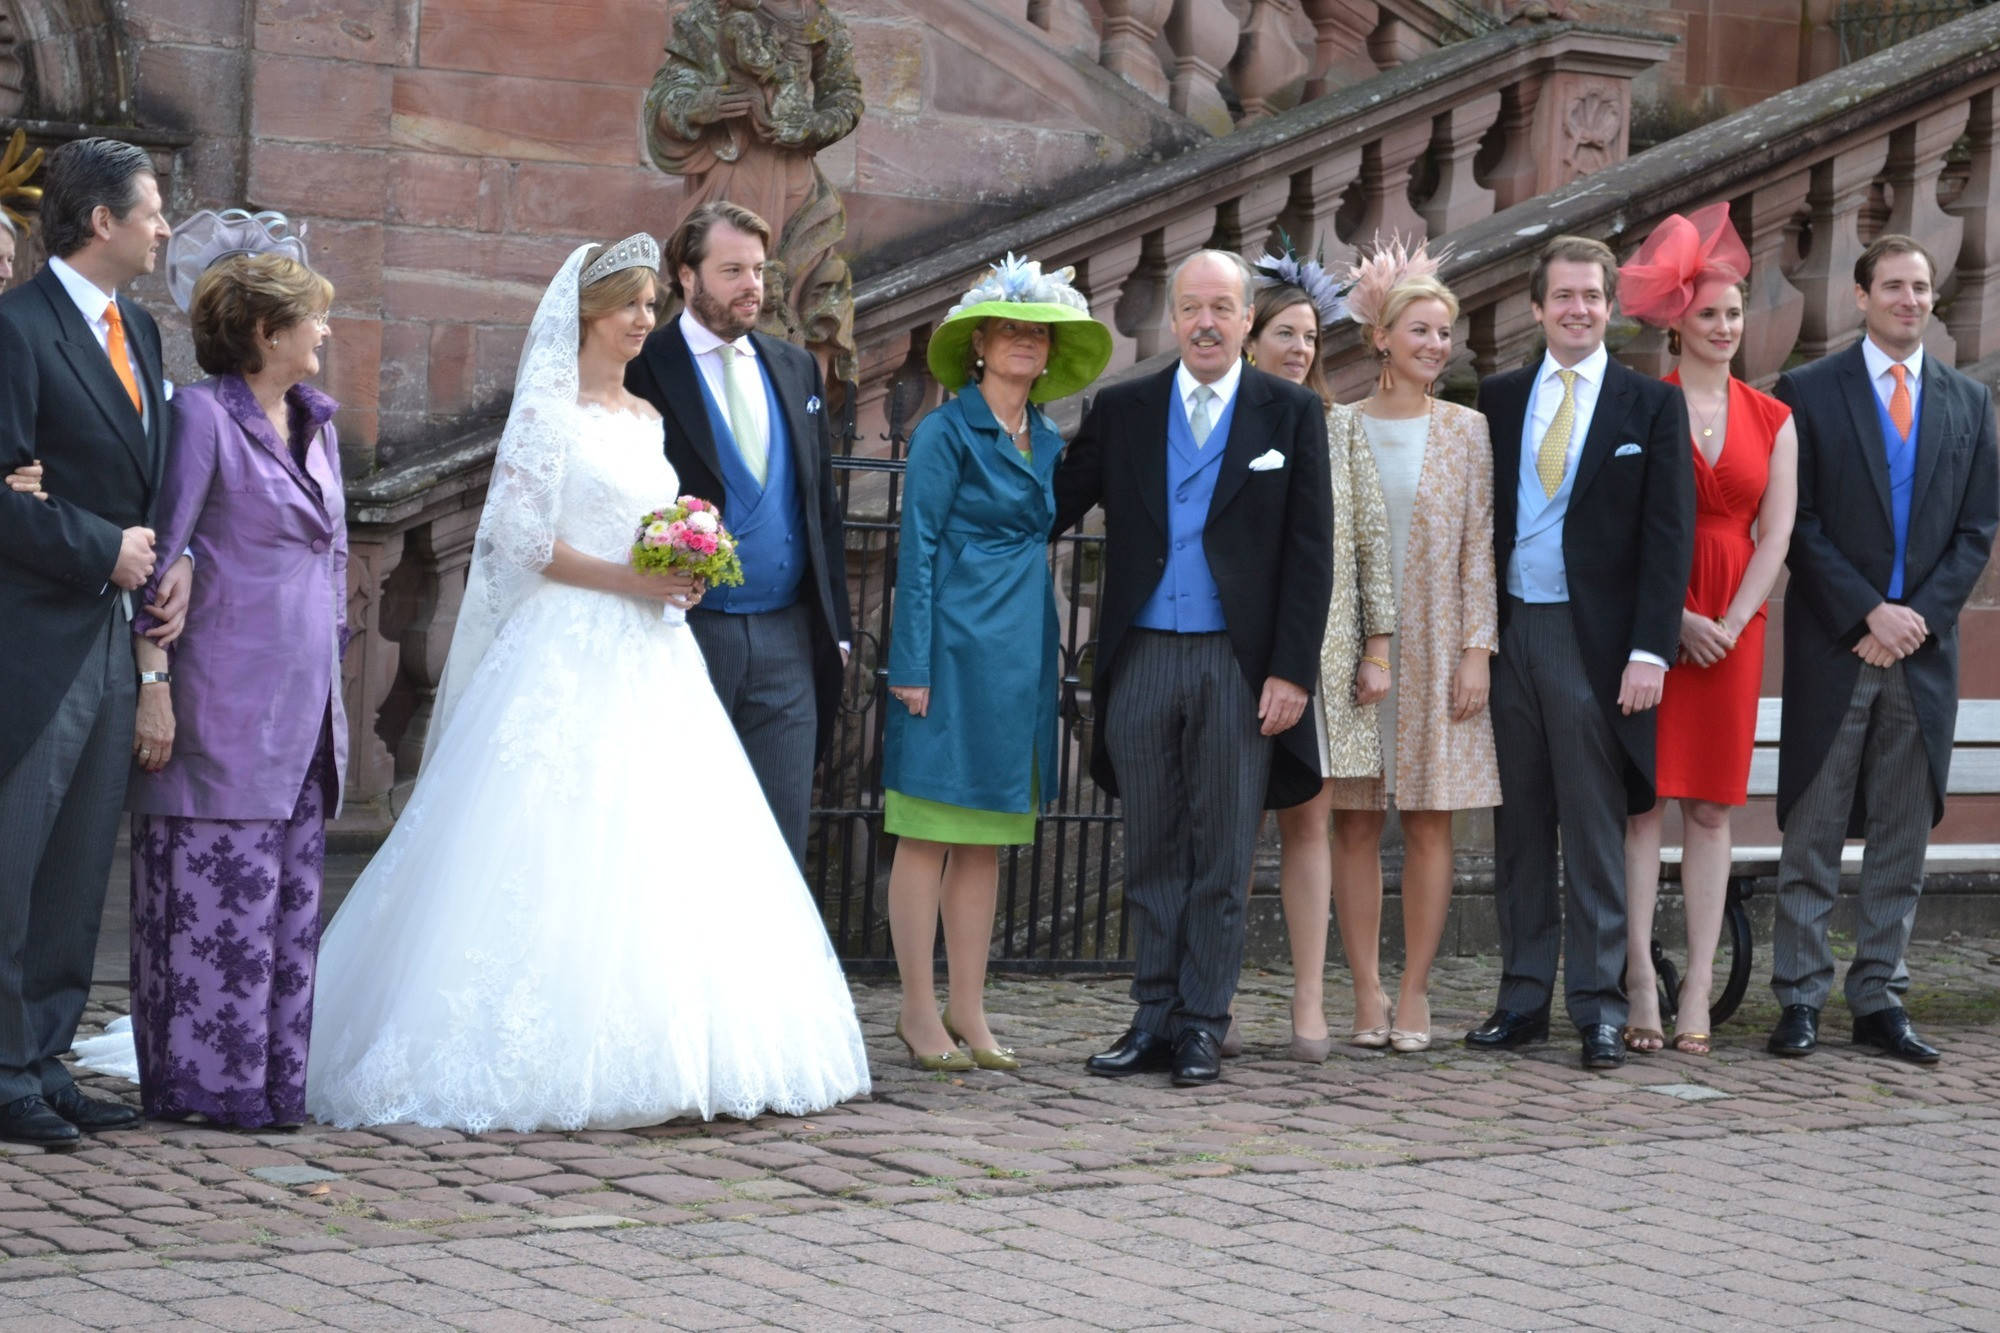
(241, 739)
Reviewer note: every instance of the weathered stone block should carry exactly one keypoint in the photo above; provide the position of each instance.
(890, 58)
(319, 182)
(382, 32)
(601, 203)
(325, 101)
(451, 367)
(436, 274)
(610, 41)
(350, 255)
(434, 190)
(188, 87)
(215, 23)
(405, 387)
(536, 119)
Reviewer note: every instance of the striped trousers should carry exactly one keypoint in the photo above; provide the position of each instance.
(1182, 732)
(1879, 749)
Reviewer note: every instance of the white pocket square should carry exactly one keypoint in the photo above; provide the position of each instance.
(1625, 449)
(1269, 461)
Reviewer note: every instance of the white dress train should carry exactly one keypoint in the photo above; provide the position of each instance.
(586, 917)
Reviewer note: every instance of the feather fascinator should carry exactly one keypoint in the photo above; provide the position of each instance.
(1371, 279)
(1683, 255)
(1309, 276)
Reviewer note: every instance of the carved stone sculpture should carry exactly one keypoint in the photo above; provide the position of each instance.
(751, 90)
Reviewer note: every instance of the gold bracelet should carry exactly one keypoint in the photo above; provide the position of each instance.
(1376, 661)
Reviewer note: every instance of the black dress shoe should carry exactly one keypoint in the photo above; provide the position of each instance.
(1602, 1048)
(1197, 1059)
(1136, 1052)
(1797, 1032)
(31, 1120)
(88, 1113)
(1888, 1030)
(1506, 1030)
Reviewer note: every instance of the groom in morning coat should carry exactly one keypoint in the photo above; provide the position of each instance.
(1218, 528)
(81, 390)
(1593, 530)
(1899, 498)
(747, 429)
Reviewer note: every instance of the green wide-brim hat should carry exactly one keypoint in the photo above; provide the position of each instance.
(1081, 350)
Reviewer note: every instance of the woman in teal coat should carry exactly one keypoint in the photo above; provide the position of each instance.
(971, 755)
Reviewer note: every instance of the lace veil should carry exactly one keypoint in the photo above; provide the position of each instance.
(517, 529)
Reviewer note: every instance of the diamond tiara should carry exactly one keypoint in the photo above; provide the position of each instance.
(640, 251)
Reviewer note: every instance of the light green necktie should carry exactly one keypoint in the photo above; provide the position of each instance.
(1201, 421)
(1553, 458)
(743, 425)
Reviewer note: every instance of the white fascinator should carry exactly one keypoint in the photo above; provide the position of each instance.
(210, 237)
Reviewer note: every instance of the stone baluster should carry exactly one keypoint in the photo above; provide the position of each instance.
(1501, 332)
(1270, 67)
(1974, 320)
(1144, 306)
(1103, 278)
(369, 671)
(1385, 184)
(1460, 200)
(1315, 203)
(1202, 35)
(1773, 308)
(1341, 29)
(1394, 42)
(1130, 29)
(1835, 197)
(1067, 23)
(1916, 160)
(1513, 176)
(1244, 224)
(442, 550)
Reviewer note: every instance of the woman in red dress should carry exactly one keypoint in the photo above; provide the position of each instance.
(1688, 278)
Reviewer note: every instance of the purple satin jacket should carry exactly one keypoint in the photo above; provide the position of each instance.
(258, 665)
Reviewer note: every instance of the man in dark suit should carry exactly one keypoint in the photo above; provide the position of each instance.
(1593, 529)
(80, 389)
(747, 428)
(1899, 497)
(1218, 524)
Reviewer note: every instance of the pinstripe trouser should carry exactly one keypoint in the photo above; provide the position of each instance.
(762, 667)
(59, 813)
(1880, 747)
(1182, 731)
(1562, 787)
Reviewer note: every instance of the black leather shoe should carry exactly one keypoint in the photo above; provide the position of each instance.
(1602, 1048)
(1507, 1030)
(31, 1120)
(1888, 1030)
(1797, 1032)
(1197, 1059)
(88, 1113)
(1134, 1053)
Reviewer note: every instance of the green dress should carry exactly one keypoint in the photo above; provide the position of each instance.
(974, 622)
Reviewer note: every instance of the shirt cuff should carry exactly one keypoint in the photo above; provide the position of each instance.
(1650, 659)
(846, 648)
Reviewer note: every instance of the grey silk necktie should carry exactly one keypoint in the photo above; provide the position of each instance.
(1201, 421)
(743, 425)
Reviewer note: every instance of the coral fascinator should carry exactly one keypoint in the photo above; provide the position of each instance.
(1391, 264)
(1683, 255)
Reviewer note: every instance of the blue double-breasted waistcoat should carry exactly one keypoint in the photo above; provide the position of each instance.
(975, 613)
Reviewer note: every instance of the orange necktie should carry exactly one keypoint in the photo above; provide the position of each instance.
(121, 364)
(1899, 401)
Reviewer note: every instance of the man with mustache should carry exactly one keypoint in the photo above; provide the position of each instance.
(1899, 498)
(747, 429)
(1593, 533)
(1218, 547)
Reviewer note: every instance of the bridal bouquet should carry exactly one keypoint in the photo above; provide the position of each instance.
(687, 537)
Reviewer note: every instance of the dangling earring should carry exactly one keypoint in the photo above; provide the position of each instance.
(1250, 356)
(1385, 379)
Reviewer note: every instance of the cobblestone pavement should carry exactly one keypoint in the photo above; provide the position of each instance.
(1482, 1192)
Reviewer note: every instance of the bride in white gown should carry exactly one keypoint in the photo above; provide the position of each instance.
(586, 917)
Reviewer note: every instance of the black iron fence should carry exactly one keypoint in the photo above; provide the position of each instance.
(1868, 26)
(1061, 904)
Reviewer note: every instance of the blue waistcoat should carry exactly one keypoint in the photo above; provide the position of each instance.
(1186, 600)
(1902, 479)
(1537, 570)
(769, 521)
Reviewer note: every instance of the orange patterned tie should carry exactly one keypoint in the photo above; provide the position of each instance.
(121, 364)
(1899, 401)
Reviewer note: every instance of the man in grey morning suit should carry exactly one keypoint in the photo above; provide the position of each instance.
(1218, 524)
(80, 389)
(1899, 497)
(1593, 527)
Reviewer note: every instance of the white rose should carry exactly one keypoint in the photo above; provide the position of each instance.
(702, 521)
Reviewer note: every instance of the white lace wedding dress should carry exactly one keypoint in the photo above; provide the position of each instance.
(586, 916)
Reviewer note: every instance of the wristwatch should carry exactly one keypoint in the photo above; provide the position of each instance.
(156, 677)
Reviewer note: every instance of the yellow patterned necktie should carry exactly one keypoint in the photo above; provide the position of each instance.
(1554, 455)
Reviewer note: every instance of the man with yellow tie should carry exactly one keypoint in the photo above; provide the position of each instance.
(1899, 497)
(1593, 527)
(80, 389)
(747, 428)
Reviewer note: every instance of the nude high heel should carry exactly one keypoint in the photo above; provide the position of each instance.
(952, 1062)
